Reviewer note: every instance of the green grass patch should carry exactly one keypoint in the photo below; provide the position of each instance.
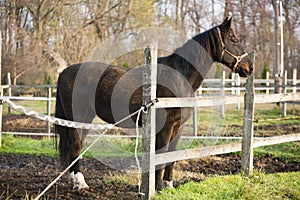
(105, 147)
(113, 147)
(287, 152)
(258, 186)
(18, 145)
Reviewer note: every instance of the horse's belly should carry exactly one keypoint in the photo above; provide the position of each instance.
(112, 115)
(104, 113)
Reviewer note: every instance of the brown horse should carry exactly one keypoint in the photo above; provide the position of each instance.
(89, 89)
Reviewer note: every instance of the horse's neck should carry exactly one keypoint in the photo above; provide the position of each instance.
(193, 60)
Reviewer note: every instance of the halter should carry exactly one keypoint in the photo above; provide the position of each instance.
(224, 49)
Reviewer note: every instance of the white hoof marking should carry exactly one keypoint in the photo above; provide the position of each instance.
(168, 184)
(79, 182)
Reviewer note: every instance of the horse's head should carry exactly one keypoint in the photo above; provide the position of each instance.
(231, 53)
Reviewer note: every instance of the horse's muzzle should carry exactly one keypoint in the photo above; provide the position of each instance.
(245, 68)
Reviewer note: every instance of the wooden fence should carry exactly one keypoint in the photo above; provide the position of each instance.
(150, 159)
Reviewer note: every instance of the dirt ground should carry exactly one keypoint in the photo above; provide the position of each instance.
(25, 176)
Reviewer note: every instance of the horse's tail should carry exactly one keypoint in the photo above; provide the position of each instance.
(63, 145)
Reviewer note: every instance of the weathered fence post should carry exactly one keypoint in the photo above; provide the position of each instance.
(238, 89)
(1, 90)
(284, 85)
(223, 93)
(232, 83)
(9, 91)
(199, 91)
(294, 80)
(195, 121)
(247, 143)
(49, 111)
(148, 143)
(268, 82)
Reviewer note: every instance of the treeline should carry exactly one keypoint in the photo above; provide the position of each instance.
(39, 36)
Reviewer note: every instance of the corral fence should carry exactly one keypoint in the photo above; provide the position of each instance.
(150, 159)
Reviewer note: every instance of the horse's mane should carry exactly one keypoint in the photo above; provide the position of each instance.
(199, 51)
(197, 54)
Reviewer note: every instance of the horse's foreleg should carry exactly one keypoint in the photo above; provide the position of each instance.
(168, 174)
(161, 146)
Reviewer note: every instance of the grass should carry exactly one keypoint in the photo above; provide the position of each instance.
(104, 148)
(113, 147)
(287, 152)
(258, 186)
(18, 145)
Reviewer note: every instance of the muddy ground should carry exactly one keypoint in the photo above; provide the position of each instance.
(25, 176)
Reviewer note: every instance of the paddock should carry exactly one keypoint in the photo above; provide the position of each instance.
(185, 154)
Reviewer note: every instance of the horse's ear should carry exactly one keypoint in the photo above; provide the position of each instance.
(227, 22)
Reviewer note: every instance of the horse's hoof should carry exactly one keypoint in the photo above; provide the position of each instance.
(168, 184)
(159, 185)
(80, 182)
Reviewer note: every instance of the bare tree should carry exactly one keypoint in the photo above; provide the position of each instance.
(39, 34)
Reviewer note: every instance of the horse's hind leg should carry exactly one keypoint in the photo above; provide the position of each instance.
(75, 175)
(79, 137)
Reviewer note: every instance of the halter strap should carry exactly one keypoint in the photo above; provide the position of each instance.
(225, 50)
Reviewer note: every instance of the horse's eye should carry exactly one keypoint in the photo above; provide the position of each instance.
(235, 40)
(233, 37)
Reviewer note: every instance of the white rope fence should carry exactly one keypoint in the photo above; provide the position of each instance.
(58, 121)
(72, 124)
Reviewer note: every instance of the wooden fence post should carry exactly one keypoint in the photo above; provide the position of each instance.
(223, 93)
(1, 90)
(268, 83)
(238, 89)
(199, 91)
(195, 120)
(233, 83)
(9, 91)
(247, 143)
(49, 111)
(148, 143)
(284, 84)
(294, 83)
